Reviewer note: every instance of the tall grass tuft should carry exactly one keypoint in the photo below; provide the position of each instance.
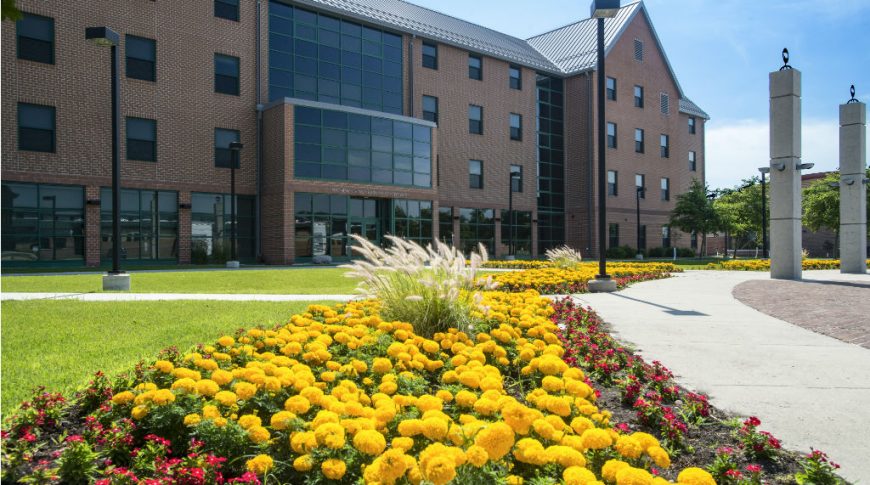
(563, 257)
(433, 288)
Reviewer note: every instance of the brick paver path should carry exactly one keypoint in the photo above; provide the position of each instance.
(839, 309)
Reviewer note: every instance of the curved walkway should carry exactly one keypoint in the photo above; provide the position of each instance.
(808, 389)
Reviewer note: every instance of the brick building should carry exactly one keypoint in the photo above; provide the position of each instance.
(357, 117)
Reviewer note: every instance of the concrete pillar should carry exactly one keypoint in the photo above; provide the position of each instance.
(853, 191)
(785, 178)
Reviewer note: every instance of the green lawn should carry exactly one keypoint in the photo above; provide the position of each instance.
(306, 281)
(60, 344)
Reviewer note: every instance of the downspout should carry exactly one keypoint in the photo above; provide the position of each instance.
(411, 75)
(589, 179)
(259, 107)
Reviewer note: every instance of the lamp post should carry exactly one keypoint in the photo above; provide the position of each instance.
(53, 199)
(639, 192)
(235, 148)
(116, 279)
(600, 10)
(511, 219)
(764, 171)
(712, 197)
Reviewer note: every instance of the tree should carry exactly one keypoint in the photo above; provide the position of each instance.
(9, 11)
(739, 211)
(821, 204)
(694, 212)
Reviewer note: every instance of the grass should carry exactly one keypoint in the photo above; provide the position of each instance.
(60, 344)
(307, 281)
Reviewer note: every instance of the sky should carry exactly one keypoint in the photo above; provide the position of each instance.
(722, 52)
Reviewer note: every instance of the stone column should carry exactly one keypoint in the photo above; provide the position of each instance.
(785, 178)
(853, 191)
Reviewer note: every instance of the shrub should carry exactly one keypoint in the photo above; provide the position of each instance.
(220, 252)
(563, 257)
(685, 253)
(199, 252)
(621, 252)
(433, 288)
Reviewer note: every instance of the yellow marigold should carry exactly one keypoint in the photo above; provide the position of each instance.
(476, 455)
(249, 420)
(227, 398)
(551, 365)
(245, 390)
(222, 377)
(207, 387)
(497, 439)
(581, 424)
(514, 480)
(258, 434)
(260, 464)
(465, 399)
(470, 379)
(389, 467)
(552, 384)
(192, 419)
(695, 476)
(282, 420)
(659, 456)
(576, 475)
(210, 412)
(381, 365)
(333, 469)
(164, 366)
(370, 442)
(611, 468)
(518, 417)
(444, 395)
(122, 398)
(163, 396)
(410, 427)
(440, 470)
(628, 447)
(403, 443)
(435, 428)
(596, 439)
(303, 463)
(427, 402)
(303, 442)
(139, 411)
(565, 456)
(633, 476)
(646, 440)
(226, 341)
(220, 422)
(185, 384)
(330, 435)
(297, 404)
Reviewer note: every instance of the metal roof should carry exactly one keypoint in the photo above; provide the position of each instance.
(689, 107)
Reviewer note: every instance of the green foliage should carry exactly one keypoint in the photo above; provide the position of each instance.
(821, 203)
(10, 11)
(77, 462)
(818, 470)
(621, 252)
(739, 210)
(694, 211)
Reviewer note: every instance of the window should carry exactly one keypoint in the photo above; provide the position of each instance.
(638, 96)
(150, 224)
(638, 140)
(638, 50)
(476, 226)
(445, 225)
(223, 156)
(691, 125)
(430, 108)
(412, 220)
(665, 149)
(227, 9)
(613, 232)
(141, 58)
(692, 165)
(226, 74)
(665, 102)
(666, 188)
(475, 174)
(666, 237)
(141, 139)
(516, 227)
(611, 89)
(430, 55)
(611, 135)
(516, 178)
(611, 182)
(35, 38)
(42, 223)
(515, 75)
(640, 185)
(36, 127)
(475, 119)
(475, 67)
(211, 220)
(516, 126)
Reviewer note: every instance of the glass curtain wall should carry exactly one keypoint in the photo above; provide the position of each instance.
(551, 167)
(42, 223)
(149, 224)
(522, 231)
(476, 226)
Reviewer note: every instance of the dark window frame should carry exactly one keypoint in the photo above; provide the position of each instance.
(475, 72)
(140, 64)
(516, 132)
(227, 9)
(475, 126)
(611, 139)
(220, 153)
(642, 185)
(515, 82)
(639, 144)
(23, 130)
(666, 190)
(692, 125)
(665, 146)
(693, 161)
(26, 53)
(475, 180)
(516, 182)
(638, 100)
(429, 60)
(613, 187)
(430, 115)
(613, 235)
(610, 92)
(221, 80)
(138, 143)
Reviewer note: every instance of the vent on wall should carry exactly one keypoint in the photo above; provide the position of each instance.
(638, 50)
(665, 104)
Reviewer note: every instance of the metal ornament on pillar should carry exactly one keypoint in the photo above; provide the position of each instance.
(785, 176)
(853, 186)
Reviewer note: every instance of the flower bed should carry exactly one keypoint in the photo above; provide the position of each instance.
(340, 396)
(575, 280)
(764, 264)
(518, 264)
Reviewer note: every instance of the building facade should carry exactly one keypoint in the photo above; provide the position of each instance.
(357, 118)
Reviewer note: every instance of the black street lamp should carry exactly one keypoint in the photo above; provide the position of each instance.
(764, 171)
(602, 9)
(638, 194)
(235, 148)
(104, 36)
(511, 219)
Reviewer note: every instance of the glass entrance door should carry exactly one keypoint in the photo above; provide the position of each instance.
(368, 228)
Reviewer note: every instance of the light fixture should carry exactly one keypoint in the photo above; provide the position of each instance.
(805, 166)
(779, 166)
(604, 9)
(764, 169)
(103, 36)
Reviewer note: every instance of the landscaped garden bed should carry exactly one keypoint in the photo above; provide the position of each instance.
(764, 264)
(575, 279)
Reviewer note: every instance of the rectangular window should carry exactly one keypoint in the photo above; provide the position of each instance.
(666, 188)
(638, 140)
(611, 135)
(223, 156)
(516, 178)
(613, 232)
(430, 55)
(141, 58)
(475, 67)
(691, 125)
(475, 119)
(227, 9)
(638, 50)
(611, 182)
(445, 225)
(692, 165)
(515, 75)
(516, 126)
(226, 74)
(665, 149)
(638, 96)
(640, 185)
(611, 89)
(430, 108)
(665, 104)
(35, 38)
(36, 128)
(475, 174)
(476, 226)
(42, 223)
(666, 237)
(141, 139)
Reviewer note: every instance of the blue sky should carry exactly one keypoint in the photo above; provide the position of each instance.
(722, 51)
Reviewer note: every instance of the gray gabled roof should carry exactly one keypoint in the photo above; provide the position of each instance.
(689, 107)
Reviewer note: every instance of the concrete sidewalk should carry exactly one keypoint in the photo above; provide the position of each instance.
(807, 389)
(169, 296)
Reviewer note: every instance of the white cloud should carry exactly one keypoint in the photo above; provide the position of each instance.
(736, 149)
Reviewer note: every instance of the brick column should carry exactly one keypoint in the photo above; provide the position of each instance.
(92, 226)
(184, 228)
(499, 251)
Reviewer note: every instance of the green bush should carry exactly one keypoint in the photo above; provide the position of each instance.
(199, 252)
(621, 252)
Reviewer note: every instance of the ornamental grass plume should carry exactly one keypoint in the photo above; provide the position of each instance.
(433, 288)
(563, 256)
